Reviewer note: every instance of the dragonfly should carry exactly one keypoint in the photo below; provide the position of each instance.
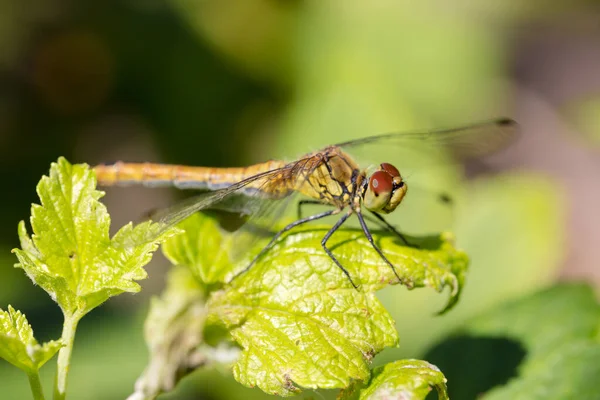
(330, 177)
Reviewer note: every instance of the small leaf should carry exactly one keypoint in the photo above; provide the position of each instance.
(70, 254)
(404, 379)
(200, 249)
(559, 329)
(300, 322)
(17, 344)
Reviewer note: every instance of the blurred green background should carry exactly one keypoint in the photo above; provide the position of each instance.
(234, 82)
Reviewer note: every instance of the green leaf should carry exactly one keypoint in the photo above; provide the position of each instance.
(404, 379)
(70, 254)
(559, 329)
(17, 344)
(300, 322)
(199, 249)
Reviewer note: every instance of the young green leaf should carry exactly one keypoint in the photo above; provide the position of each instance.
(19, 347)
(70, 254)
(404, 379)
(199, 249)
(559, 329)
(301, 323)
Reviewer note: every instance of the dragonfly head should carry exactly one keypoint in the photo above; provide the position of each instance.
(385, 190)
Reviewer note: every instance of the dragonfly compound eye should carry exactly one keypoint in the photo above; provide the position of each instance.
(390, 169)
(379, 192)
(381, 183)
(386, 190)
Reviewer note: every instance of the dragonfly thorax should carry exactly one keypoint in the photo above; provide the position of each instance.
(385, 189)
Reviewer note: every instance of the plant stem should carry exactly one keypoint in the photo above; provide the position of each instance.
(64, 356)
(36, 385)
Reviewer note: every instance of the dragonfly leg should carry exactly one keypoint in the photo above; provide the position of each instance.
(330, 254)
(370, 238)
(368, 218)
(281, 232)
(303, 202)
(393, 229)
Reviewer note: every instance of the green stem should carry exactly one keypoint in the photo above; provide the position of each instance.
(36, 385)
(64, 356)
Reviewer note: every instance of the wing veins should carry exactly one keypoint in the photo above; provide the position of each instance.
(206, 200)
(465, 141)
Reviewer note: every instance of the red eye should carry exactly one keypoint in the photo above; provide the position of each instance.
(380, 182)
(390, 169)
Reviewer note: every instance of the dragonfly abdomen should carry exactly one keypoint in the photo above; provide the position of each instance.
(179, 176)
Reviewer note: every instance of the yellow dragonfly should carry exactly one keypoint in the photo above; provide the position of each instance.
(330, 177)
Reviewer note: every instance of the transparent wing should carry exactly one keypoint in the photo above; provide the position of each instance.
(263, 197)
(232, 198)
(472, 141)
(261, 225)
(429, 162)
(426, 153)
(270, 213)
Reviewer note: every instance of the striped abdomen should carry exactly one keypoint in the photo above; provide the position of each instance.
(180, 176)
